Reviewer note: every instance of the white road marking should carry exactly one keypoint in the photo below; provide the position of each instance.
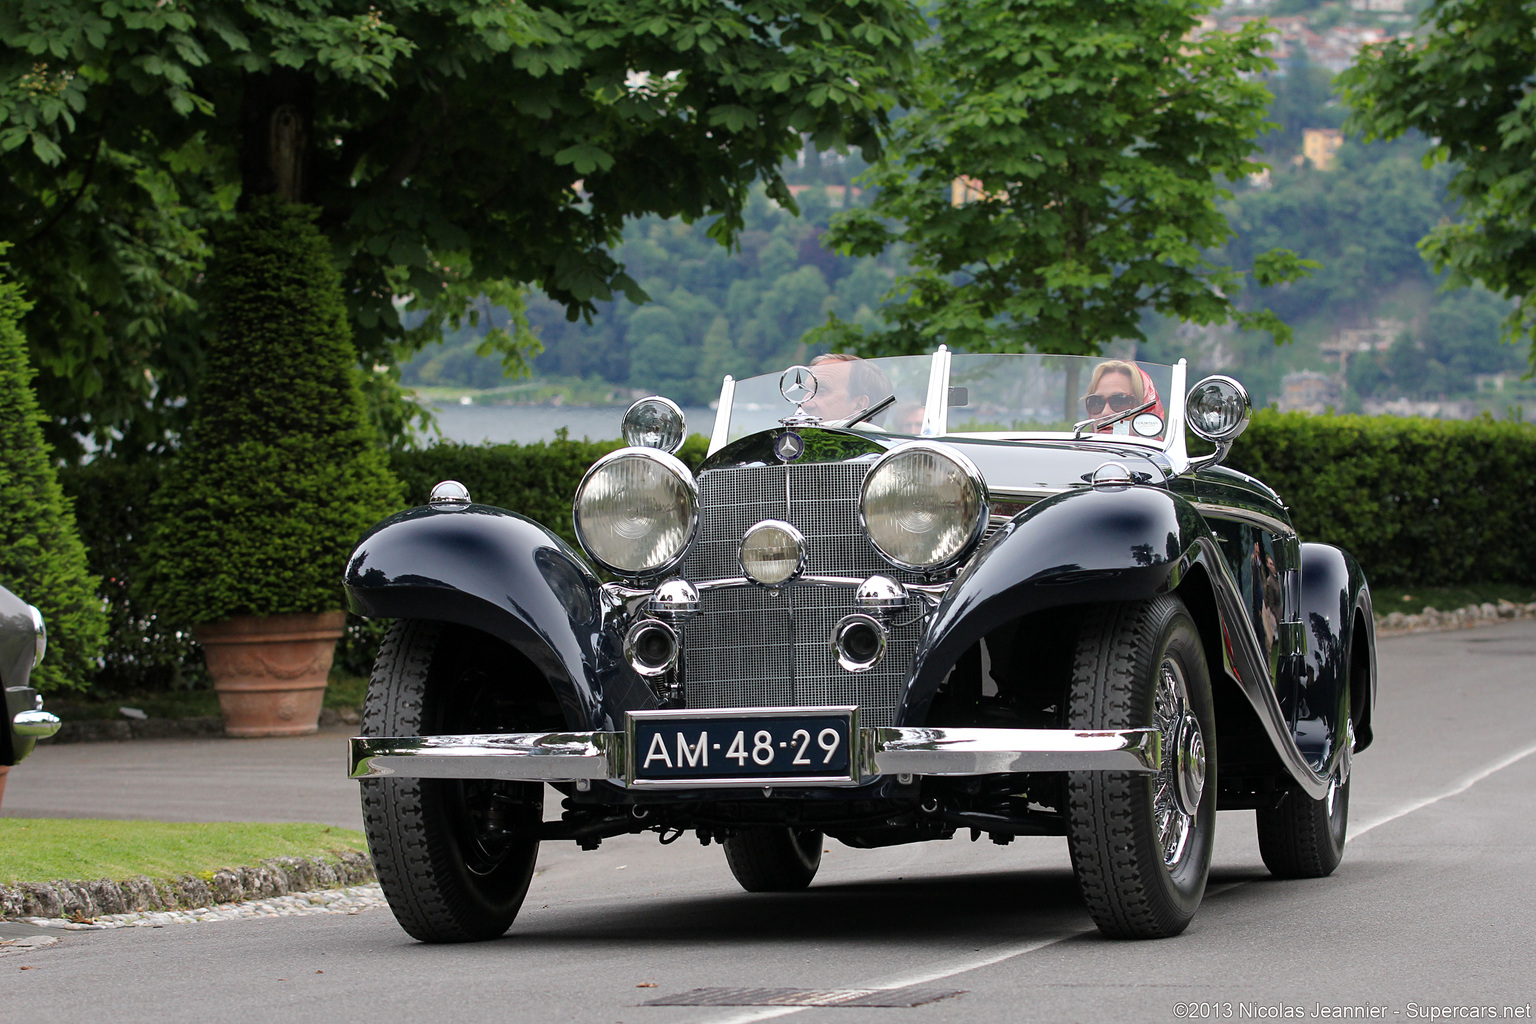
(925, 976)
(999, 954)
(1463, 784)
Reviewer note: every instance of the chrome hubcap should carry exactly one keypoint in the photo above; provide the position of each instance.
(1181, 780)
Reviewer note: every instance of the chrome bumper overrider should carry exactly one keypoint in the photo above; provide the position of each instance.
(569, 756)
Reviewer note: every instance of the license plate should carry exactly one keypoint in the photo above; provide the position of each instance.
(761, 746)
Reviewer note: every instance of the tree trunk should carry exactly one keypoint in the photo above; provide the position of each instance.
(276, 115)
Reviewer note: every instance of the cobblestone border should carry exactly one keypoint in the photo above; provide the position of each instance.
(279, 876)
(351, 900)
(1434, 620)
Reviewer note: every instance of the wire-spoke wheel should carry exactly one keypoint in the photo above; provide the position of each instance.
(447, 852)
(774, 858)
(1141, 843)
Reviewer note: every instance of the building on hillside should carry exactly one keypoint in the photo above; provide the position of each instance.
(1376, 338)
(1320, 145)
(1309, 391)
(1379, 6)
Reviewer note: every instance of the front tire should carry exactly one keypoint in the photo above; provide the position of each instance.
(1304, 838)
(774, 858)
(446, 851)
(1141, 844)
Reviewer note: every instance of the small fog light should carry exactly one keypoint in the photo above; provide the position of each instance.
(859, 643)
(772, 552)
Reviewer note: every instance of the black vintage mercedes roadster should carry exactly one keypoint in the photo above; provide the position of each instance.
(901, 599)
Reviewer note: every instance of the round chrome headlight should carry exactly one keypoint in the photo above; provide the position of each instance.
(1219, 408)
(923, 505)
(636, 511)
(655, 423)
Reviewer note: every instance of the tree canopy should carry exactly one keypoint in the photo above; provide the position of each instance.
(454, 148)
(1062, 174)
(1464, 81)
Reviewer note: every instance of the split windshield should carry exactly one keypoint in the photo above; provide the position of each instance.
(1010, 395)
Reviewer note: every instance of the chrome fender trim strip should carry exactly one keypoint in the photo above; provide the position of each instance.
(567, 756)
(919, 751)
(551, 756)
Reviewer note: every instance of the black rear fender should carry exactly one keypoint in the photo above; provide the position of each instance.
(1337, 681)
(506, 576)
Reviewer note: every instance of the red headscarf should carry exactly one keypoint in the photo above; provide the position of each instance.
(1148, 394)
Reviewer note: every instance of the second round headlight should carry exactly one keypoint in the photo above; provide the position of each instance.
(923, 506)
(636, 511)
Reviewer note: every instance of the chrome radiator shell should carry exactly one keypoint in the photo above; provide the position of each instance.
(752, 647)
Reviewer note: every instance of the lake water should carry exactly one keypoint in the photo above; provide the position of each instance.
(525, 424)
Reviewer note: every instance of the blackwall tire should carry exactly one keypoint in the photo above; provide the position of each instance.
(1304, 838)
(1141, 844)
(774, 858)
(440, 847)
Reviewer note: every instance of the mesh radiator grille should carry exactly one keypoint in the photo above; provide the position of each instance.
(752, 649)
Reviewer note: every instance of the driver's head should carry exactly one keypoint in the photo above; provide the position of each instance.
(845, 384)
(1115, 377)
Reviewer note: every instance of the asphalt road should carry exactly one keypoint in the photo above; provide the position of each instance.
(1430, 911)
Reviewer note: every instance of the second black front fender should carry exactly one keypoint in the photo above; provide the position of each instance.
(505, 575)
(1081, 547)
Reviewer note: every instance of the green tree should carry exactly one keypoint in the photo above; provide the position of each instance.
(41, 558)
(1097, 135)
(1464, 80)
(454, 148)
(280, 472)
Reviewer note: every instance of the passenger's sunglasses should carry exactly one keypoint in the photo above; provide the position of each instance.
(1119, 402)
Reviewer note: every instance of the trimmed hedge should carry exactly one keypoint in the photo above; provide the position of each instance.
(1419, 502)
(280, 470)
(112, 505)
(41, 558)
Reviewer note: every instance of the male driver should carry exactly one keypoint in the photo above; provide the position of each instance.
(845, 385)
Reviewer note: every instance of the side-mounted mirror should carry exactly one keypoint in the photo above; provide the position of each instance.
(655, 422)
(1218, 410)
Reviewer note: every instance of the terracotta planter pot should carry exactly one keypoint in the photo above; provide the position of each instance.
(270, 670)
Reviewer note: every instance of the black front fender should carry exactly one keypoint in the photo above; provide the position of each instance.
(505, 575)
(1081, 547)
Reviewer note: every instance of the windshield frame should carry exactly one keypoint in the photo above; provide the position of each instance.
(936, 415)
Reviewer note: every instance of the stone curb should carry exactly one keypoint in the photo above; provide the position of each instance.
(279, 876)
(106, 730)
(1434, 620)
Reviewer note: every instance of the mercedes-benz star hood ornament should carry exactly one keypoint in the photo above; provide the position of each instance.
(798, 386)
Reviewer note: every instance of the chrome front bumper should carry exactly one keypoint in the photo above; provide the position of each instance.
(575, 756)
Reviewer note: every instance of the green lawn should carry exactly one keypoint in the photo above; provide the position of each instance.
(83, 849)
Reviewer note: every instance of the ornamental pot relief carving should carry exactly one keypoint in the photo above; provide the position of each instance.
(270, 670)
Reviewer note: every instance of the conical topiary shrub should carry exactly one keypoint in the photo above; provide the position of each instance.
(41, 558)
(278, 476)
